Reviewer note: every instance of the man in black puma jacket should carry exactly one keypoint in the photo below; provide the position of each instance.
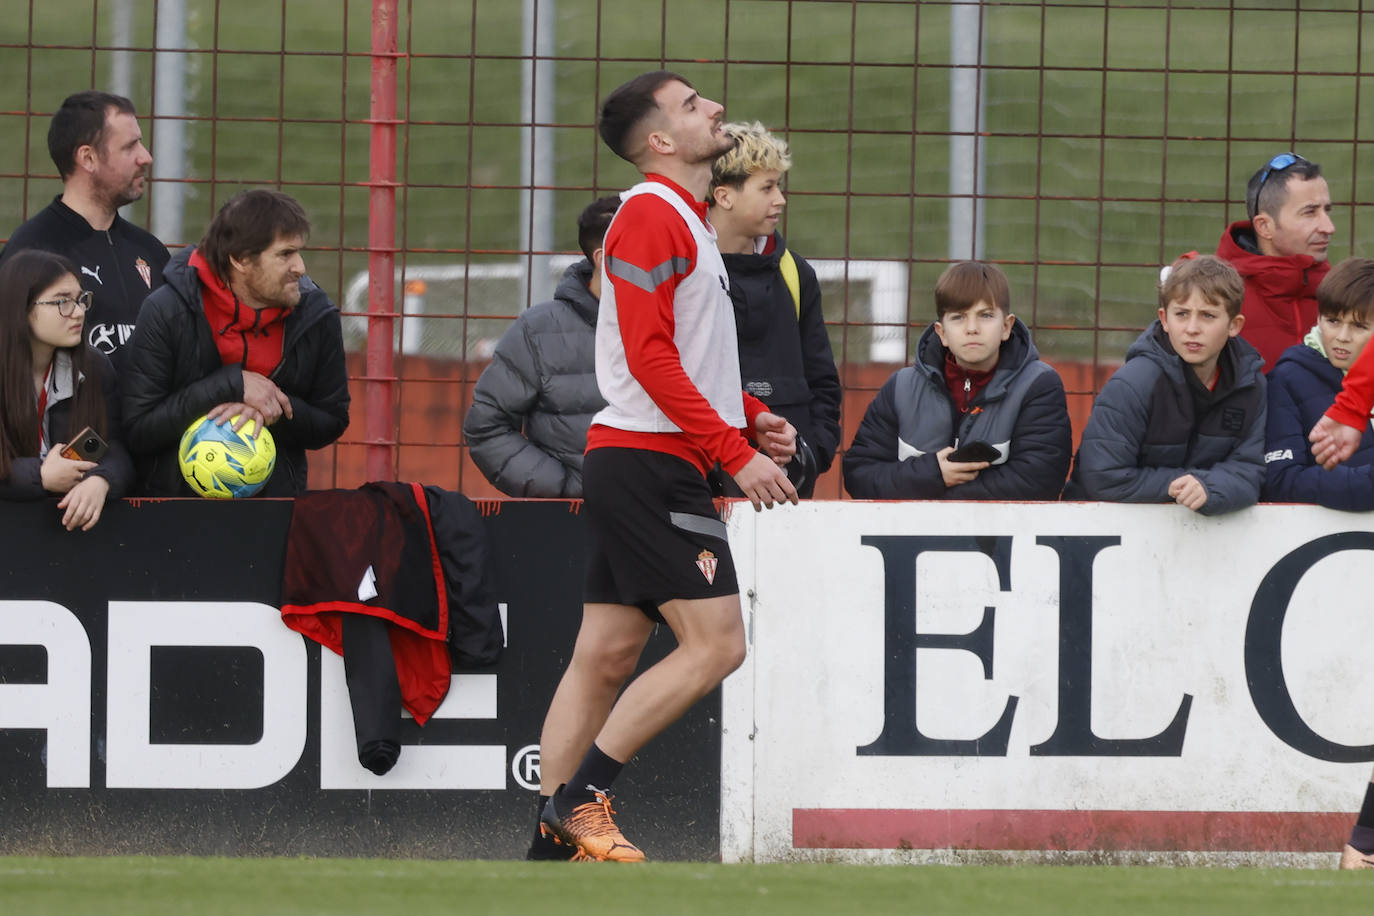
(96, 144)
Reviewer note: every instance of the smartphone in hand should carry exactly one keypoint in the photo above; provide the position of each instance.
(86, 446)
(974, 451)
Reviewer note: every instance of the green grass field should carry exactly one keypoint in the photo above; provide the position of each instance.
(153, 886)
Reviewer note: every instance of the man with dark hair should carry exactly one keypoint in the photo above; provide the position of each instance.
(96, 144)
(238, 331)
(527, 426)
(1281, 252)
(667, 364)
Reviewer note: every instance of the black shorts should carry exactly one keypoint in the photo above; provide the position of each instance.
(655, 535)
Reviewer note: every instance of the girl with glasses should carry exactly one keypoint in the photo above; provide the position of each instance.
(53, 386)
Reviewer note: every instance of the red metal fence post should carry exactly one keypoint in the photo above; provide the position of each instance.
(380, 430)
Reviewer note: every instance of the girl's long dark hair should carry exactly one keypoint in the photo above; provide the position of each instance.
(23, 278)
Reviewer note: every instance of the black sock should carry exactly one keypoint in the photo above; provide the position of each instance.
(1362, 837)
(596, 773)
(539, 815)
(543, 847)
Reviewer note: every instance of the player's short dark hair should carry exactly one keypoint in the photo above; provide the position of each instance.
(1267, 189)
(967, 283)
(1207, 275)
(593, 221)
(247, 224)
(81, 122)
(1348, 289)
(628, 105)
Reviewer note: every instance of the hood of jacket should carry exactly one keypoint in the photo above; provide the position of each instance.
(1153, 344)
(1016, 352)
(1312, 361)
(1273, 276)
(182, 277)
(572, 289)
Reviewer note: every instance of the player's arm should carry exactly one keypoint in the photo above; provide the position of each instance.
(1338, 433)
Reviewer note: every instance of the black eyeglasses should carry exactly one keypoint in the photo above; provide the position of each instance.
(1280, 163)
(66, 306)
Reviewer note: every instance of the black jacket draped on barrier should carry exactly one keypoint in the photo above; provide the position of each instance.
(393, 577)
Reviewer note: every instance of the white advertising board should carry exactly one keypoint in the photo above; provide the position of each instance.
(932, 680)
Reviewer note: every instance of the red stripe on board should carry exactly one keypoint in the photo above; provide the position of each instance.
(1199, 831)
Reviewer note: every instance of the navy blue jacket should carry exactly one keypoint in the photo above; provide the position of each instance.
(1302, 385)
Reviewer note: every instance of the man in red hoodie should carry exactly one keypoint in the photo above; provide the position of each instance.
(1280, 252)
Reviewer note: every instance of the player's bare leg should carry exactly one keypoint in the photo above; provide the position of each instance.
(609, 643)
(710, 636)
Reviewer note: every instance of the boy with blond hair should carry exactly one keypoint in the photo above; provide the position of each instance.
(1183, 419)
(784, 349)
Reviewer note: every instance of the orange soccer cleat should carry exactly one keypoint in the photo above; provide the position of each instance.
(589, 827)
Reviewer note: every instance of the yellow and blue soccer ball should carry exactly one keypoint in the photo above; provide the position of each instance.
(219, 463)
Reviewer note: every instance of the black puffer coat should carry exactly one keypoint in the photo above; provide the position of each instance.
(784, 349)
(174, 374)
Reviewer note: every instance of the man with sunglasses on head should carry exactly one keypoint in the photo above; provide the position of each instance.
(1281, 252)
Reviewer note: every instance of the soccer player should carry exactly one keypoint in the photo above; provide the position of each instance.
(667, 364)
(1339, 435)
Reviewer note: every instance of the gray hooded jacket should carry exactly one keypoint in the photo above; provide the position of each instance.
(527, 426)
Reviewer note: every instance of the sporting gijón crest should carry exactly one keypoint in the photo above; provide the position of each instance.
(144, 271)
(706, 562)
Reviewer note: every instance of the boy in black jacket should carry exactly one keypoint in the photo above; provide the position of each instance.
(977, 378)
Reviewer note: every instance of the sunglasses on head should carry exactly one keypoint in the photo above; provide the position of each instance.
(1281, 162)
